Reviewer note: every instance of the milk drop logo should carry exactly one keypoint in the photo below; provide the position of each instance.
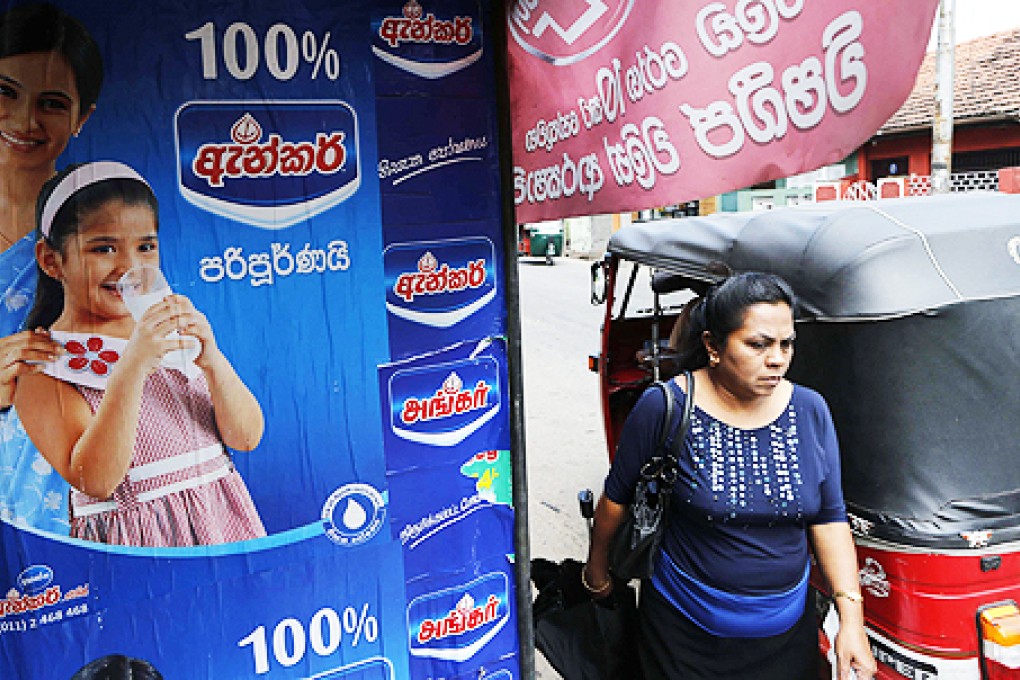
(268, 164)
(427, 43)
(456, 623)
(439, 283)
(443, 405)
(353, 514)
(564, 33)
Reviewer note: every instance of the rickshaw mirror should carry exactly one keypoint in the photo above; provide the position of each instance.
(598, 281)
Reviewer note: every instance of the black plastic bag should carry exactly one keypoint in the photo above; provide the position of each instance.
(581, 638)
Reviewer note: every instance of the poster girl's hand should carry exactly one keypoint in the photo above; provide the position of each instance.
(149, 341)
(16, 351)
(238, 414)
(195, 325)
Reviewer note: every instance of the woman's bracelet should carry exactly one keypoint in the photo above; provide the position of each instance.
(587, 586)
(850, 595)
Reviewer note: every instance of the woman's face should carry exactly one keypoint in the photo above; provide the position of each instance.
(111, 239)
(755, 357)
(39, 110)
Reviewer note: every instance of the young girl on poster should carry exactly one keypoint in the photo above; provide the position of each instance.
(142, 445)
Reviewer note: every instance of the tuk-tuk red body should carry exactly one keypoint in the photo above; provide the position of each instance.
(909, 326)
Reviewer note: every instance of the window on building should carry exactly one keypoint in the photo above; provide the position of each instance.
(989, 159)
(889, 167)
(688, 209)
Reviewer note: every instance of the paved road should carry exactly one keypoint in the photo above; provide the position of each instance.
(566, 448)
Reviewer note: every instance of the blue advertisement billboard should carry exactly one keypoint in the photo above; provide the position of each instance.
(322, 490)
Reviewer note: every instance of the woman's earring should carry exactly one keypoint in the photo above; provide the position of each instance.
(713, 360)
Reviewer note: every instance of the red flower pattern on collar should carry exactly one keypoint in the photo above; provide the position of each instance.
(91, 356)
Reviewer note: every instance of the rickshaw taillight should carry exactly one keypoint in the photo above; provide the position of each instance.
(1001, 625)
(593, 363)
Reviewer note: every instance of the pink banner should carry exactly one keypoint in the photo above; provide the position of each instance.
(620, 105)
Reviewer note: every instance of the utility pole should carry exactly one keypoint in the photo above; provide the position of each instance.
(945, 75)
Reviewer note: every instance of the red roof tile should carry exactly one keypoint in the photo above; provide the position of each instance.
(987, 85)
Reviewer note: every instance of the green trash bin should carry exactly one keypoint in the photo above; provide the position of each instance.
(546, 242)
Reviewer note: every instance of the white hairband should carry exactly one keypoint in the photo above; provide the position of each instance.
(79, 178)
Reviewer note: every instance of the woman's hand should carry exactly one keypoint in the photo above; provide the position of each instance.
(854, 652)
(833, 545)
(23, 354)
(597, 581)
(596, 578)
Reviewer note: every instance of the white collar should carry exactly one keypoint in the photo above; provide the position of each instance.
(88, 360)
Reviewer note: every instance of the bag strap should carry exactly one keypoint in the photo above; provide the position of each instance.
(667, 394)
(685, 418)
(665, 467)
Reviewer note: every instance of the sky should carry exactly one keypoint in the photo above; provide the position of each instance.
(975, 18)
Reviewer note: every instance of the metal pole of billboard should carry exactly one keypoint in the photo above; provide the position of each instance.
(522, 545)
(945, 75)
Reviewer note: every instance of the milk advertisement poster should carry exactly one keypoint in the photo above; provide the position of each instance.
(327, 201)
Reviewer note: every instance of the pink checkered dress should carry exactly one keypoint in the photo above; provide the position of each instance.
(182, 488)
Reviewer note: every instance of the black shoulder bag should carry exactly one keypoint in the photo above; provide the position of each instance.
(636, 542)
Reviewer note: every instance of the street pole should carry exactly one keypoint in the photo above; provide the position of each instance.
(942, 126)
(515, 371)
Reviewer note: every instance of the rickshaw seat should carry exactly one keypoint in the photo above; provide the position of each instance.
(664, 282)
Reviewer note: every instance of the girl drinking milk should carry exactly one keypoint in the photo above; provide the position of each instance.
(142, 445)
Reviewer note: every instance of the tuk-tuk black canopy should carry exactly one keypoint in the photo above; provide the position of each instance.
(922, 367)
(852, 260)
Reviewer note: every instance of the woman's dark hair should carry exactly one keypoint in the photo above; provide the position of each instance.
(42, 27)
(49, 294)
(722, 309)
(118, 667)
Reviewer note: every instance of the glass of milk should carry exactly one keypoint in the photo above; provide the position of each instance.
(140, 288)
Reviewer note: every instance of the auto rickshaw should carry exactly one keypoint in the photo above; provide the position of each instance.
(542, 239)
(909, 326)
